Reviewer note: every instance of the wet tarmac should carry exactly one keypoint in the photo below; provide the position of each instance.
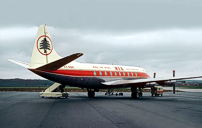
(27, 109)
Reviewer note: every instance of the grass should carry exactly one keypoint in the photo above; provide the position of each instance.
(189, 87)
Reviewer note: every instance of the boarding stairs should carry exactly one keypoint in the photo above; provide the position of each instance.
(52, 91)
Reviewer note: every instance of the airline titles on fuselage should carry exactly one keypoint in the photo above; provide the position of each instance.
(105, 67)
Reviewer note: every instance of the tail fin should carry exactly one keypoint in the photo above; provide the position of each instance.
(43, 52)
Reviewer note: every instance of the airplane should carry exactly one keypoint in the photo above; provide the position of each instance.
(46, 63)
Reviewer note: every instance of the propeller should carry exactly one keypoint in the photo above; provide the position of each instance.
(173, 84)
(154, 75)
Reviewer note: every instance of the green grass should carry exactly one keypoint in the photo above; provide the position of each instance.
(189, 87)
(72, 88)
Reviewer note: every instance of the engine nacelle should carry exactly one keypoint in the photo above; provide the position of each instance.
(151, 84)
(170, 83)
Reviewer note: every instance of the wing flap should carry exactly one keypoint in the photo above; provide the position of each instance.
(59, 63)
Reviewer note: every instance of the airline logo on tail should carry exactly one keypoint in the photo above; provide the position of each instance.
(44, 45)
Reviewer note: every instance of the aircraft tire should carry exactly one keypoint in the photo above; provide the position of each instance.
(91, 94)
(134, 95)
(140, 94)
(121, 94)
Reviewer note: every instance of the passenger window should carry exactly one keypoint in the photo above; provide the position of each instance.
(105, 73)
(136, 73)
(132, 73)
(119, 73)
(94, 73)
(128, 74)
(123, 73)
(115, 73)
(100, 73)
(111, 73)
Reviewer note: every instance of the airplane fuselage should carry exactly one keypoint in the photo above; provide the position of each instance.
(86, 75)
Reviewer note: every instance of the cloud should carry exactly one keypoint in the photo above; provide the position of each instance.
(17, 33)
(160, 50)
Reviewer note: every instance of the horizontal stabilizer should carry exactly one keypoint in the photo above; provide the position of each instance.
(23, 64)
(59, 63)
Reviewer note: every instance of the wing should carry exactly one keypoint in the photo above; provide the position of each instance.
(144, 81)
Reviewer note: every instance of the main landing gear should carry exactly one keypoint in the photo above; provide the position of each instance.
(91, 93)
(135, 93)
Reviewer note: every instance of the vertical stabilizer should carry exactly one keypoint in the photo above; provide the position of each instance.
(43, 51)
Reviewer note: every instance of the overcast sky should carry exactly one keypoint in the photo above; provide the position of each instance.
(158, 35)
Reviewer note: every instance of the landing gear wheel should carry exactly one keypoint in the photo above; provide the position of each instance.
(121, 94)
(140, 93)
(134, 95)
(91, 94)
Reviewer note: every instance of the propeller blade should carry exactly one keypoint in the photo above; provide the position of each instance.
(154, 75)
(173, 84)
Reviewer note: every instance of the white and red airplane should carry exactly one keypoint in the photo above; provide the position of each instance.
(46, 63)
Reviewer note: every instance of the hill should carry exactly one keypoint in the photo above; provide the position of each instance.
(24, 83)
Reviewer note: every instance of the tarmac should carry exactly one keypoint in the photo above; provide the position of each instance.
(27, 109)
